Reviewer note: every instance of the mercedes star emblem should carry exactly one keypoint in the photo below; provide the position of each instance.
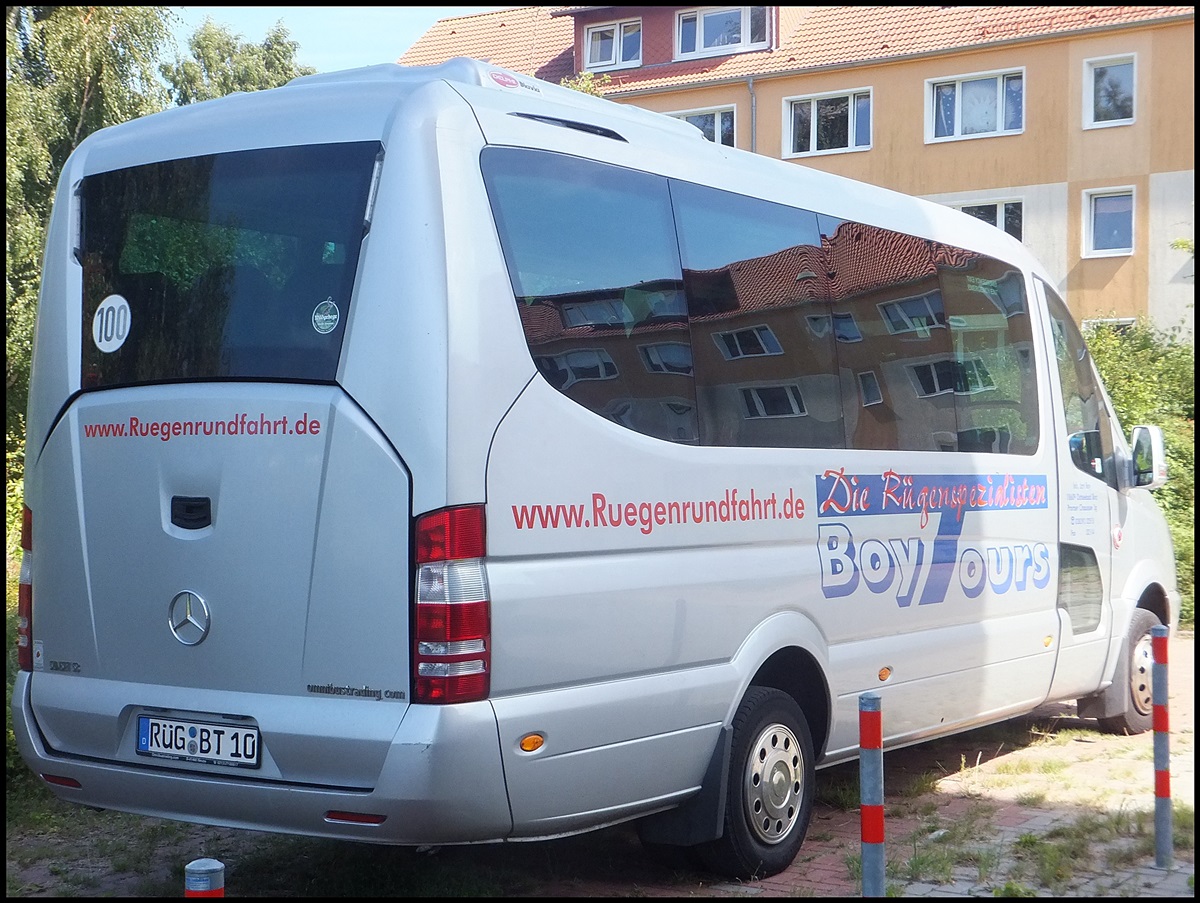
(188, 618)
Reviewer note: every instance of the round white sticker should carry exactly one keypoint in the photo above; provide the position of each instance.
(110, 325)
(325, 316)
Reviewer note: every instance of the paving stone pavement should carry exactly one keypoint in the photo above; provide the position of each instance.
(1106, 779)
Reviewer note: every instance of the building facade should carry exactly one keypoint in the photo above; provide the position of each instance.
(1072, 128)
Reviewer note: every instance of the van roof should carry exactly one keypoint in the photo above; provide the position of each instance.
(463, 70)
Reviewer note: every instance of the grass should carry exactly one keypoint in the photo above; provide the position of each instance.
(1060, 854)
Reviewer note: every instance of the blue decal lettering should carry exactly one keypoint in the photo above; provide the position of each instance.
(972, 573)
(839, 575)
(910, 554)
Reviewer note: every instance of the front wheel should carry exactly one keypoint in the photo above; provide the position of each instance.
(772, 781)
(1139, 709)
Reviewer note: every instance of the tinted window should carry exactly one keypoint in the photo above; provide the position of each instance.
(229, 266)
(988, 313)
(762, 331)
(886, 283)
(1087, 420)
(699, 315)
(592, 256)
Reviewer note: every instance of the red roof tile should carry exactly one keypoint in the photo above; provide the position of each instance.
(525, 39)
(540, 40)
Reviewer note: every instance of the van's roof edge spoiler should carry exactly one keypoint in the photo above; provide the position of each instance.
(467, 71)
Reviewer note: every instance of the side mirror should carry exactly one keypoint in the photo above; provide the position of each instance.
(1149, 457)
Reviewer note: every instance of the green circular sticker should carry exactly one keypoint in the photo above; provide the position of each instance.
(325, 317)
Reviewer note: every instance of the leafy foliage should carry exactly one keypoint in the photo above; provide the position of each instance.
(1150, 376)
(588, 83)
(70, 71)
(222, 63)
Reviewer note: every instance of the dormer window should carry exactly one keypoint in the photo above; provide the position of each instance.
(614, 45)
(714, 31)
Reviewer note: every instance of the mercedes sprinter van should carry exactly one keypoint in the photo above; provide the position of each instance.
(437, 455)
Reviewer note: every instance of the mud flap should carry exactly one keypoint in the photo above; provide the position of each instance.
(701, 818)
(1111, 701)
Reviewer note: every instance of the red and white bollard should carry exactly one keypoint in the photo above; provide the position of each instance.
(1163, 816)
(870, 785)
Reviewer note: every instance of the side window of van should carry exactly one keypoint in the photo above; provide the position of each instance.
(989, 323)
(763, 335)
(703, 316)
(592, 257)
(1089, 429)
(887, 282)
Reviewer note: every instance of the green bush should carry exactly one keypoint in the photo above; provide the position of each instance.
(1150, 376)
(14, 474)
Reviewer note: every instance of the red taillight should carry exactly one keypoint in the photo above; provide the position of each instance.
(452, 626)
(450, 534)
(25, 595)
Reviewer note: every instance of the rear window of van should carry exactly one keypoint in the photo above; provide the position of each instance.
(229, 266)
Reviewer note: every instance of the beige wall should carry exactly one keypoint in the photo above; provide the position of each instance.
(1054, 156)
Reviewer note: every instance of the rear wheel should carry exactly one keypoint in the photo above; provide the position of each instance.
(772, 781)
(1139, 711)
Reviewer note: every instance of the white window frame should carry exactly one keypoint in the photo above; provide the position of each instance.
(699, 13)
(1119, 323)
(616, 62)
(653, 360)
(604, 312)
(821, 325)
(1089, 217)
(959, 364)
(911, 326)
(1089, 90)
(873, 394)
(717, 113)
(791, 392)
(584, 358)
(852, 136)
(999, 204)
(931, 136)
(760, 331)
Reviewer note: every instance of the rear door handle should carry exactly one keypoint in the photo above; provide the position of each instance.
(191, 512)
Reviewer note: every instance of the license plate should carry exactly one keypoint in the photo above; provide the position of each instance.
(198, 741)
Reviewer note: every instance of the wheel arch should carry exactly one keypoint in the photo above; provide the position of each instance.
(788, 652)
(1154, 600)
(795, 671)
(785, 652)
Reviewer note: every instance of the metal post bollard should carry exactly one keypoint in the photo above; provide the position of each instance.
(870, 786)
(204, 878)
(1163, 817)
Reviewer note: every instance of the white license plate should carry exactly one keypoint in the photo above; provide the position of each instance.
(198, 741)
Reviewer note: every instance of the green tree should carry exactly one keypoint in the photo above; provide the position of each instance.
(1150, 376)
(70, 71)
(222, 63)
(587, 83)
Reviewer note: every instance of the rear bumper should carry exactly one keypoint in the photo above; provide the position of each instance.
(442, 782)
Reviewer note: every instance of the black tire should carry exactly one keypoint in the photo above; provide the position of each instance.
(772, 782)
(1139, 710)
